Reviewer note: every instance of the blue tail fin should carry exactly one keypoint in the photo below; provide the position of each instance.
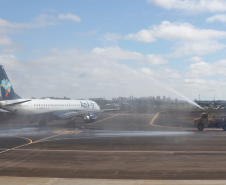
(7, 92)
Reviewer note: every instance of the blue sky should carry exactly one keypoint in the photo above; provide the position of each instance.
(96, 48)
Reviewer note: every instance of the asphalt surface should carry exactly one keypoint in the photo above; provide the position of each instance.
(122, 145)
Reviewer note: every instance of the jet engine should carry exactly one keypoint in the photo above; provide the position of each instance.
(90, 118)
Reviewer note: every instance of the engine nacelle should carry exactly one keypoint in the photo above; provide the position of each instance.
(90, 118)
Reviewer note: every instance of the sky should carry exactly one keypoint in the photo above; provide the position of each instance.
(96, 48)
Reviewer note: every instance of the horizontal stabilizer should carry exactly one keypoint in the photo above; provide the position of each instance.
(4, 111)
(15, 102)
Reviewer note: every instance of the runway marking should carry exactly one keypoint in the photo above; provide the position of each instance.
(7, 150)
(103, 120)
(41, 140)
(162, 126)
(31, 142)
(201, 152)
(84, 126)
(115, 115)
(68, 132)
(154, 118)
(57, 134)
(92, 137)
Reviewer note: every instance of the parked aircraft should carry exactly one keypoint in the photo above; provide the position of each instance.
(45, 109)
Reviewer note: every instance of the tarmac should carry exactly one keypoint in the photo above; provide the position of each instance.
(120, 148)
(60, 181)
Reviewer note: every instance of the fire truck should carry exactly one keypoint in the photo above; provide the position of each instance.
(208, 120)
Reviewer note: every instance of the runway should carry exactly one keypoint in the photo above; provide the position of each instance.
(122, 145)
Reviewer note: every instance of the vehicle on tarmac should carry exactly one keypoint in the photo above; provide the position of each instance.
(208, 120)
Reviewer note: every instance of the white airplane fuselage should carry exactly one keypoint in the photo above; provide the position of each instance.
(42, 106)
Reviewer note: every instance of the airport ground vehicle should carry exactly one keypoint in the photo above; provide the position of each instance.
(211, 121)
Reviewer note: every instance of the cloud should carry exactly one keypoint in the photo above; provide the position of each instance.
(196, 59)
(7, 27)
(195, 81)
(189, 39)
(116, 53)
(79, 74)
(201, 69)
(207, 79)
(204, 69)
(142, 36)
(154, 60)
(207, 89)
(162, 73)
(6, 24)
(40, 21)
(175, 31)
(12, 63)
(218, 17)
(110, 38)
(5, 41)
(43, 20)
(196, 48)
(192, 5)
(69, 16)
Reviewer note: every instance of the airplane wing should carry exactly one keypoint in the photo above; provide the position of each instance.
(13, 102)
(73, 114)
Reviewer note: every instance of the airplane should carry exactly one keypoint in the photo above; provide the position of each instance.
(45, 109)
